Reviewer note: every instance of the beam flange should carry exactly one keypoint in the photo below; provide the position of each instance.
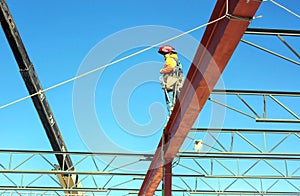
(283, 32)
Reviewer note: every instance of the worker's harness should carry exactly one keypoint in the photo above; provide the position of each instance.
(173, 81)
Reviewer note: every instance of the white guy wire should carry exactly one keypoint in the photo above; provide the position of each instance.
(118, 60)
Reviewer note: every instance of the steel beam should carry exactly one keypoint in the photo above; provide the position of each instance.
(34, 87)
(223, 130)
(146, 157)
(283, 32)
(140, 176)
(216, 48)
(236, 155)
(255, 92)
(183, 154)
(32, 83)
(167, 171)
(202, 192)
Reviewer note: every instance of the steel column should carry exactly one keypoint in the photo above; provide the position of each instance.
(167, 171)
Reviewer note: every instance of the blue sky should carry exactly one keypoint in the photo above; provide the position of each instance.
(57, 39)
(63, 37)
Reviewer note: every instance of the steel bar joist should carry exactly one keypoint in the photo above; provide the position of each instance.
(228, 23)
(255, 159)
(280, 33)
(270, 101)
(33, 85)
(220, 170)
(100, 192)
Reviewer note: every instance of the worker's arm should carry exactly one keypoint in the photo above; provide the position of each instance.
(169, 66)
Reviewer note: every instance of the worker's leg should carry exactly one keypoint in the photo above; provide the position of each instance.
(169, 96)
(170, 92)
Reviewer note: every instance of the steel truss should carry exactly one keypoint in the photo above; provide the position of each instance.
(265, 99)
(194, 173)
(280, 33)
(242, 148)
(217, 171)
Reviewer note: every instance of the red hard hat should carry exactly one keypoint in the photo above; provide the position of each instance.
(166, 49)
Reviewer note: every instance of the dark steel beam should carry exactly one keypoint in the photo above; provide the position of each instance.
(224, 130)
(211, 192)
(74, 153)
(33, 84)
(262, 31)
(243, 192)
(183, 154)
(255, 92)
(35, 89)
(276, 120)
(216, 48)
(236, 155)
(140, 176)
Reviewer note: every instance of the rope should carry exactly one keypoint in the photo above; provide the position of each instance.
(118, 60)
(286, 9)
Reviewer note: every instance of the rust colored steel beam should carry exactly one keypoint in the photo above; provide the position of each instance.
(216, 48)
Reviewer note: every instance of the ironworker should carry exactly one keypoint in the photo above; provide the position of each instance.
(172, 78)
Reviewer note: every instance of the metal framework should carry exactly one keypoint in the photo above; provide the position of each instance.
(275, 32)
(216, 171)
(258, 160)
(267, 99)
(235, 159)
